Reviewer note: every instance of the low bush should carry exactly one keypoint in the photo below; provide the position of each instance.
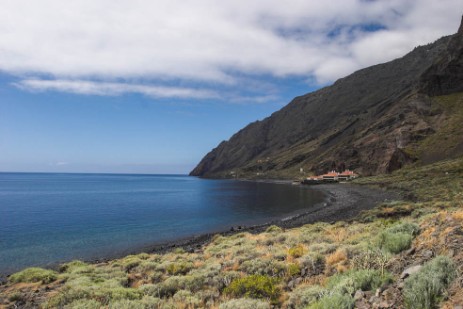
(296, 251)
(74, 266)
(84, 304)
(255, 286)
(313, 263)
(353, 280)
(274, 229)
(424, 289)
(173, 284)
(34, 274)
(245, 303)
(126, 304)
(180, 268)
(332, 301)
(397, 238)
(293, 270)
(186, 298)
(405, 227)
(303, 296)
(264, 267)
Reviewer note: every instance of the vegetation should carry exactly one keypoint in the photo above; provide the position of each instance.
(34, 274)
(319, 265)
(255, 286)
(424, 289)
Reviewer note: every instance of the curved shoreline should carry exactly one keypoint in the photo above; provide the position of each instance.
(343, 201)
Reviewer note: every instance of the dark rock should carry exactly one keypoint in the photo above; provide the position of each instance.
(359, 295)
(428, 254)
(410, 270)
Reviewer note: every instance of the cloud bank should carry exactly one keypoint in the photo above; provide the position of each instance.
(109, 47)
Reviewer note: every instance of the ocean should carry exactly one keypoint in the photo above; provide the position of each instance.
(48, 218)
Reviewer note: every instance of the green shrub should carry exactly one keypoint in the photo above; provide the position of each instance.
(293, 270)
(334, 301)
(314, 264)
(296, 251)
(186, 298)
(173, 284)
(73, 266)
(405, 227)
(264, 267)
(84, 304)
(398, 237)
(126, 304)
(303, 296)
(394, 242)
(372, 258)
(180, 268)
(353, 280)
(274, 229)
(255, 286)
(34, 274)
(245, 303)
(425, 289)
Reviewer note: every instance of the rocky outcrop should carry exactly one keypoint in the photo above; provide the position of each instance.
(372, 121)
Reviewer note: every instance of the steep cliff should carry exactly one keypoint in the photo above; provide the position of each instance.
(375, 120)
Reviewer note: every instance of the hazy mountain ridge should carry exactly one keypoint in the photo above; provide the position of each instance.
(375, 120)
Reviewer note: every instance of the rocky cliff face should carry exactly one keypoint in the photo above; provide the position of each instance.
(376, 120)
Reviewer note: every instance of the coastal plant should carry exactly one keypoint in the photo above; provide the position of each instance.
(274, 229)
(353, 280)
(425, 288)
(84, 304)
(303, 296)
(371, 258)
(268, 267)
(323, 248)
(254, 286)
(186, 298)
(245, 303)
(334, 300)
(296, 251)
(313, 263)
(180, 268)
(34, 274)
(340, 255)
(171, 285)
(132, 261)
(75, 266)
(293, 270)
(397, 238)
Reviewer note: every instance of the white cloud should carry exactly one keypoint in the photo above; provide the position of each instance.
(106, 88)
(77, 42)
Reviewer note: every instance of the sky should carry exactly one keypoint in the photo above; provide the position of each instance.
(143, 86)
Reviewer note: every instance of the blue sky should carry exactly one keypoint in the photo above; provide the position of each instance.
(151, 87)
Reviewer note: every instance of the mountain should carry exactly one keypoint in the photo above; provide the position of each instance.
(374, 121)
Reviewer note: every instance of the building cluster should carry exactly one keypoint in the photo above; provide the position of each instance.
(332, 176)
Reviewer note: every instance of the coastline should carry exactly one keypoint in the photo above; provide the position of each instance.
(343, 201)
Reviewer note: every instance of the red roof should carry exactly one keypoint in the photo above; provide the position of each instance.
(332, 174)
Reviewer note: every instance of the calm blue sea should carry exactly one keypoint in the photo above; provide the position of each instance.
(50, 218)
